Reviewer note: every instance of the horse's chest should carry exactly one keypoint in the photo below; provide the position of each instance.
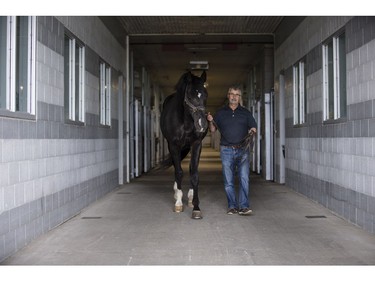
(186, 138)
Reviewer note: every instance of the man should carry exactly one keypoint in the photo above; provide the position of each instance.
(234, 122)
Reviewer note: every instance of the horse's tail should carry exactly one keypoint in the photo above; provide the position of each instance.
(166, 163)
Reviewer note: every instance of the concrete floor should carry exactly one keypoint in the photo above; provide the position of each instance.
(135, 225)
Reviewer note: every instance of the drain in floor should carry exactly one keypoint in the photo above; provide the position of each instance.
(316, 217)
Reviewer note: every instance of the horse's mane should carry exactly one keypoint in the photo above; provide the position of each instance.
(180, 86)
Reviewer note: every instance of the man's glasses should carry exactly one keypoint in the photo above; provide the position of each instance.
(233, 94)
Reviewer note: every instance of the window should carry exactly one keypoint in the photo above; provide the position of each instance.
(74, 79)
(299, 93)
(105, 94)
(17, 64)
(334, 78)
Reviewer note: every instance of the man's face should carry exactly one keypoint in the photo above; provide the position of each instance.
(234, 96)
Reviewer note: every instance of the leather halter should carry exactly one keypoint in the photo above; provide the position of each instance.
(192, 106)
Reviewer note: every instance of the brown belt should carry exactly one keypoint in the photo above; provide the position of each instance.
(233, 146)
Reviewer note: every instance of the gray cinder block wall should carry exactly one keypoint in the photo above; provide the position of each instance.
(49, 169)
(333, 164)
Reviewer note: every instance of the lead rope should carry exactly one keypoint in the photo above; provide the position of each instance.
(247, 142)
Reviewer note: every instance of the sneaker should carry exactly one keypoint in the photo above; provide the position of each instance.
(232, 211)
(245, 212)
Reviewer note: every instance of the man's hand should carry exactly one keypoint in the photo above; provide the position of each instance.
(211, 124)
(209, 117)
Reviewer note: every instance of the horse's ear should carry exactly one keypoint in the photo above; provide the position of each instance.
(204, 76)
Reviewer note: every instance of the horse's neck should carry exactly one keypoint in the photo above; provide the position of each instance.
(180, 101)
(180, 108)
(180, 96)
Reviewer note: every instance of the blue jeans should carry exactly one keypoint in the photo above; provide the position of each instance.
(236, 160)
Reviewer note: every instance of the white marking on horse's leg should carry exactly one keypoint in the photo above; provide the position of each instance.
(175, 190)
(178, 206)
(190, 197)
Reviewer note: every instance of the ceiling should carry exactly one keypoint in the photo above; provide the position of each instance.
(165, 45)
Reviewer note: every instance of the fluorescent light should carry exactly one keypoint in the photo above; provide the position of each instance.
(198, 62)
(197, 65)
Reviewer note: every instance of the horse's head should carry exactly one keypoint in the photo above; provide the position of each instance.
(195, 100)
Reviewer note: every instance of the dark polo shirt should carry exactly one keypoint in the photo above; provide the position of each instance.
(233, 125)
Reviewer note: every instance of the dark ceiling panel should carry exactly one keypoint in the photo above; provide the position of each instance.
(164, 46)
(139, 25)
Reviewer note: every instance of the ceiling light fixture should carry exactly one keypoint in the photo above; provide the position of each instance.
(199, 65)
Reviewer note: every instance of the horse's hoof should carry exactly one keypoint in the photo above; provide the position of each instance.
(190, 204)
(178, 209)
(196, 215)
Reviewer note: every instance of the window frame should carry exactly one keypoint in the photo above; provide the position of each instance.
(75, 111)
(299, 93)
(105, 92)
(333, 97)
(12, 68)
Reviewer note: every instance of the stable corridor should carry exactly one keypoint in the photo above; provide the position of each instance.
(135, 225)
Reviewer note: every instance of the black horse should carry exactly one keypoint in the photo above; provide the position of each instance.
(184, 125)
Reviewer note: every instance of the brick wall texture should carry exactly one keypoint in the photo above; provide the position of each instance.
(51, 169)
(333, 163)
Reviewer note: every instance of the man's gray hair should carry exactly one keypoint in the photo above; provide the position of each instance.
(235, 87)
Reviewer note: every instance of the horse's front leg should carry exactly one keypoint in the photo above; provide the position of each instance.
(190, 197)
(178, 174)
(178, 206)
(194, 179)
